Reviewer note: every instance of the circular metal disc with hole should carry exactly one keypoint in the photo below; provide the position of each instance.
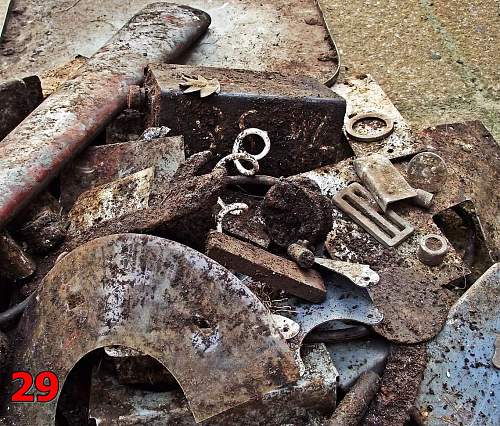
(371, 136)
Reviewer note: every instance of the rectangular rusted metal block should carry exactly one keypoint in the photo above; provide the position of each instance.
(302, 116)
(277, 272)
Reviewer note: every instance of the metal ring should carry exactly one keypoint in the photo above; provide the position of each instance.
(240, 156)
(239, 140)
(349, 127)
(235, 208)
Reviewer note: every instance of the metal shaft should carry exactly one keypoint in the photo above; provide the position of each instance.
(70, 118)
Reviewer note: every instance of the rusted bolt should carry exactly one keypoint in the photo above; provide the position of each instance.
(300, 254)
(432, 249)
(136, 98)
(423, 199)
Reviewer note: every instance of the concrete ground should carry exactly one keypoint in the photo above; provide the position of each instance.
(438, 60)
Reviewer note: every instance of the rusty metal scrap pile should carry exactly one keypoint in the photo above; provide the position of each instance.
(185, 244)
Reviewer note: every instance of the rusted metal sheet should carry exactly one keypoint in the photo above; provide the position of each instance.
(472, 158)
(71, 117)
(99, 165)
(110, 201)
(344, 301)
(302, 117)
(163, 299)
(364, 95)
(310, 398)
(461, 384)
(17, 99)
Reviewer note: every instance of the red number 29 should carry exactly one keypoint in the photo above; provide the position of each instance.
(46, 383)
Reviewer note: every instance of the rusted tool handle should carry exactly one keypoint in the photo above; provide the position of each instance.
(69, 119)
(353, 407)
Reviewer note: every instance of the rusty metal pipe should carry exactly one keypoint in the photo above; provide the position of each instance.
(69, 119)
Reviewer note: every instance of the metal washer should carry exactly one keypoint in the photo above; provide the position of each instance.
(349, 127)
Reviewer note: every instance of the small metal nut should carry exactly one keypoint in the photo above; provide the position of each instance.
(136, 98)
(432, 249)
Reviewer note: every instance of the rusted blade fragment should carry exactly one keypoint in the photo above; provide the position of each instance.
(71, 117)
(277, 272)
(165, 300)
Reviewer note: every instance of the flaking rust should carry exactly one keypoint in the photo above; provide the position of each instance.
(74, 115)
(163, 299)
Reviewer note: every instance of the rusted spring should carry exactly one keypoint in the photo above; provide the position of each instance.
(240, 156)
(353, 134)
(16, 310)
(237, 147)
(235, 208)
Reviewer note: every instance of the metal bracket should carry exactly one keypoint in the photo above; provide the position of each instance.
(389, 229)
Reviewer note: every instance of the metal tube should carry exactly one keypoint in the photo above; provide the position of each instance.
(70, 118)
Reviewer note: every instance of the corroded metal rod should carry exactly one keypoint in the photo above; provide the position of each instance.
(69, 119)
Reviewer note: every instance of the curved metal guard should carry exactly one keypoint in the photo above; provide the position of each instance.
(165, 300)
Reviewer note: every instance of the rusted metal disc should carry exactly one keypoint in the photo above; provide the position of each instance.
(427, 171)
(371, 133)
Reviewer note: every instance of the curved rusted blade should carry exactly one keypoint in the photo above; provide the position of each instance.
(165, 300)
(70, 118)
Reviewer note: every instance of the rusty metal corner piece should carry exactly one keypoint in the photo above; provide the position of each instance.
(165, 300)
(74, 115)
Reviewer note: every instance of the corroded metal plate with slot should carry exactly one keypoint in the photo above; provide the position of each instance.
(167, 301)
(388, 228)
